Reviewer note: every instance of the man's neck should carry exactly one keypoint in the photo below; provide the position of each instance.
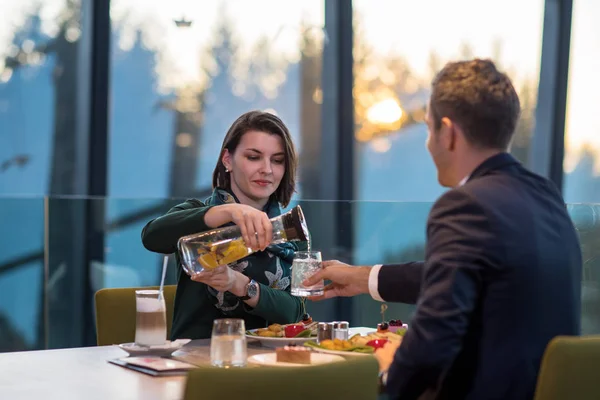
(471, 162)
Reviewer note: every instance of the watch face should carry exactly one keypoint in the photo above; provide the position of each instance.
(252, 289)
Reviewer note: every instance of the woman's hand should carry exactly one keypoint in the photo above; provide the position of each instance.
(254, 224)
(221, 278)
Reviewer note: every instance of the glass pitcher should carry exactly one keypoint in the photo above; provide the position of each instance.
(223, 246)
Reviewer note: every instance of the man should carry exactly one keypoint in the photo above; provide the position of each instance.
(502, 269)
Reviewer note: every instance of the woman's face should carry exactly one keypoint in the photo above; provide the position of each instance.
(256, 167)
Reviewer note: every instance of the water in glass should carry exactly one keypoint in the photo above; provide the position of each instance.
(228, 343)
(228, 351)
(306, 264)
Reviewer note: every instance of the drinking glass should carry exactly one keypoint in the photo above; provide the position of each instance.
(306, 264)
(228, 343)
(150, 318)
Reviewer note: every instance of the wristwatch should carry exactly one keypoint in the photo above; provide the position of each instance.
(251, 290)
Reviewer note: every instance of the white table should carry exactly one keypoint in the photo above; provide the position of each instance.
(81, 373)
(85, 373)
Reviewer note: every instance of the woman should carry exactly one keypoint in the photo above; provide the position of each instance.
(254, 176)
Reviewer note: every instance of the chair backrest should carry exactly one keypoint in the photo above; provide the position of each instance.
(353, 379)
(115, 314)
(569, 369)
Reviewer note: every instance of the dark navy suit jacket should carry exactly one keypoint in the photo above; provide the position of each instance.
(501, 277)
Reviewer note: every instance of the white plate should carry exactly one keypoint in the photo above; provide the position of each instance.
(277, 341)
(164, 350)
(270, 360)
(282, 341)
(340, 353)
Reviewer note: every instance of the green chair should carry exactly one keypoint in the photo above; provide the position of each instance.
(353, 379)
(115, 314)
(569, 369)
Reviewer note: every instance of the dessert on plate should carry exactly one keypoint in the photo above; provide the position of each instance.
(293, 354)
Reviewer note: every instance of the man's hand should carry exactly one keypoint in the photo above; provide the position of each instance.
(385, 354)
(346, 280)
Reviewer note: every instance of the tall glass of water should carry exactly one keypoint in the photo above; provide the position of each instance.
(228, 343)
(306, 264)
(150, 318)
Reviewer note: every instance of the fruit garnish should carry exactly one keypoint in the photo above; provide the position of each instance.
(383, 308)
(304, 333)
(306, 319)
(377, 343)
(395, 322)
(291, 331)
(382, 327)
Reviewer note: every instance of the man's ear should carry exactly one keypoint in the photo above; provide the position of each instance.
(448, 133)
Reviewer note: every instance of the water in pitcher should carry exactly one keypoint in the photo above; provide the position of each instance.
(225, 245)
(228, 351)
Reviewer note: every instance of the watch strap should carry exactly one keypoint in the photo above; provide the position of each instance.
(247, 296)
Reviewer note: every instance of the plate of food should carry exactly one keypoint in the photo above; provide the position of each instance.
(293, 356)
(279, 335)
(358, 345)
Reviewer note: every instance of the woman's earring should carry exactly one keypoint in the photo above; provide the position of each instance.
(226, 169)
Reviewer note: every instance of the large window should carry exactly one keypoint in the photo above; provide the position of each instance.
(39, 72)
(582, 133)
(182, 72)
(399, 46)
(582, 151)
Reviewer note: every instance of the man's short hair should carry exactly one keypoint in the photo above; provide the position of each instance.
(480, 99)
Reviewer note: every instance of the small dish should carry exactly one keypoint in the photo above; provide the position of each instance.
(164, 350)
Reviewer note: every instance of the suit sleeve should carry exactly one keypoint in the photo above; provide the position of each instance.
(400, 283)
(460, 246)
(161, 234)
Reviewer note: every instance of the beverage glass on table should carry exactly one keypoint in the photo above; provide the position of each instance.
(150, 318)
(306, 264)
(228, 343)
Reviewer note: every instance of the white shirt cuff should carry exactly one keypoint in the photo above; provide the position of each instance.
(374, 282)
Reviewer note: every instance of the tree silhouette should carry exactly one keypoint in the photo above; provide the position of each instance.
(10, 339)
(524, 130)
(466, 51)
(311, 98)
(61, 53)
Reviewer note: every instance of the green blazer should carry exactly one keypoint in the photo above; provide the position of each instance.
(196, 304)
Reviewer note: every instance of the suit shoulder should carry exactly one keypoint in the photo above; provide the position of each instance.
(457, 200)
(456, 195)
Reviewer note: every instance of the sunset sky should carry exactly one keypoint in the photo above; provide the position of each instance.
(409, 28)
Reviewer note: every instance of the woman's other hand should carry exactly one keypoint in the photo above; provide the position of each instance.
(224, 279)
(221, 278)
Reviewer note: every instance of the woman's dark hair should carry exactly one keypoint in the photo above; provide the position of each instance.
(262, 122)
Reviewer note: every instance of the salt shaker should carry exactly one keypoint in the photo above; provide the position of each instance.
(324, 331)
(340, 330)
